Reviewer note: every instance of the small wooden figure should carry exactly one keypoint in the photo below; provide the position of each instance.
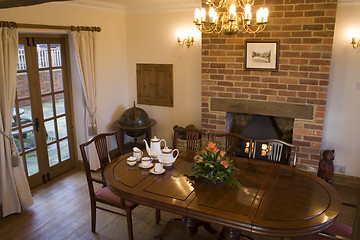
(326, 165)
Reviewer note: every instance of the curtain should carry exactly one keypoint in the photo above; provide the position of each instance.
(84, 44)
(14, 188)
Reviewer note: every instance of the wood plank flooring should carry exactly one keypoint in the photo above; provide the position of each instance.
(61, 211)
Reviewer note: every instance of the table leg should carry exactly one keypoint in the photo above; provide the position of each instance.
(172, 224)
(188, 225)
(229, 234)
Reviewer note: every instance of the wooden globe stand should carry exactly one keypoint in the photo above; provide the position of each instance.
(129, 146)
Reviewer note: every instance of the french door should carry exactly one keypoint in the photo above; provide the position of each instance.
(42, 124)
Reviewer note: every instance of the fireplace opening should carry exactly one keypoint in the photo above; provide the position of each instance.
(261, 127)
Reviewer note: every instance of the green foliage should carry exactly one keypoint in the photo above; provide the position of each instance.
(213, 164)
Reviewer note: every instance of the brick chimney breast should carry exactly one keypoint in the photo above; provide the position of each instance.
(305, 30)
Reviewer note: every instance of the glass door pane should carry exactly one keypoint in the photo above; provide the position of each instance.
(53, 101)
(22, 121)
(41, 119)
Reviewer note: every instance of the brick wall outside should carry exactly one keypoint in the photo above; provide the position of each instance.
(305, 29)
(22, 86)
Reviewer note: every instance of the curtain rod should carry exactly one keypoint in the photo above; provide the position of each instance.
(43, 26)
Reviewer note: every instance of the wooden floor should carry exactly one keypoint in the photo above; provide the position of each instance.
(61, 210)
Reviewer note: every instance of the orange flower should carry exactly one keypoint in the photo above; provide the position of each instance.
(225, 163)
(215, 150)
(210, 146)
(203, 151)
(200, 161)
(222, 153)
(196, 156)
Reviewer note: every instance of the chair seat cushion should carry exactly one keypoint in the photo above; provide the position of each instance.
(341, 229)
(337, 228)
(107, 194)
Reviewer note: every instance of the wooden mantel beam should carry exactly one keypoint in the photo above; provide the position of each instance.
(277, 109)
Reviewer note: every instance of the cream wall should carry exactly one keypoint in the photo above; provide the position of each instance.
(124, 41)
(151, 38)
(341, 127)
(110, 55)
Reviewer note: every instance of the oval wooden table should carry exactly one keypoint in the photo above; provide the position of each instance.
(273, 200)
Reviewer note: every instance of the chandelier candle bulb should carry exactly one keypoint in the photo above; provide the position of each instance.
(223, 17)
(266, 14)
(212, 15)
(197, 16)
(259, 15)
(203, 15)
(232, 12)
(248, 12)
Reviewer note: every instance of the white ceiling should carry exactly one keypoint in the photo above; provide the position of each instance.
(138, 6)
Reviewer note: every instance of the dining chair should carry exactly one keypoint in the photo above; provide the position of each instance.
(337, 231)
(191, 135)
(104, 195)
(274, 150)
(235, 145)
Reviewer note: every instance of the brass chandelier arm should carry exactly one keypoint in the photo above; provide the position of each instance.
(230, 27)
(259, 28)
(225, 3)
(231, 17)
(354, 44)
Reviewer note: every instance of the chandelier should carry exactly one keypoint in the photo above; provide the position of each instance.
(223, 17)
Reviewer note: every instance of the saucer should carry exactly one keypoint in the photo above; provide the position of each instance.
(148, 166)
(153, 171)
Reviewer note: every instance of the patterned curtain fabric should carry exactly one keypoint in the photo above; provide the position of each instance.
(84, 43)
(14, 187)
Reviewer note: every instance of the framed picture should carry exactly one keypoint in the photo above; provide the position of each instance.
(262, 55)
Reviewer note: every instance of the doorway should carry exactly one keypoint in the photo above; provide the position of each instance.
(42, 119)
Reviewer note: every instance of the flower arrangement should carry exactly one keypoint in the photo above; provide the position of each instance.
(212, 163)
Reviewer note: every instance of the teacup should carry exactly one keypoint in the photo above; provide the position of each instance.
(158, 167)
(131, 161)
(137, 153)
(146, 161)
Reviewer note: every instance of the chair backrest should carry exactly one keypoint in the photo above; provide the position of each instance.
(275, 151)
(101, 149)
(235, 145)
(191, 135)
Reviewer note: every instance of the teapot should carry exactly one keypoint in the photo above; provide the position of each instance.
(154, 150)
(167, 157)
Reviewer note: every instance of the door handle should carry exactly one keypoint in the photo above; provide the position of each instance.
(36, 124)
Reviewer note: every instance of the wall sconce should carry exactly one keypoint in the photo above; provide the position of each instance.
(187, 41)
(353, 42)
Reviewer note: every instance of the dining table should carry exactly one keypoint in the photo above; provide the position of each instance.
(273, 199)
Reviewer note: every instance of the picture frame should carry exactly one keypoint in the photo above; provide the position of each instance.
(262, 55)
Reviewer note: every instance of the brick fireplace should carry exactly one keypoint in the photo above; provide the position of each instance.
(305, 29)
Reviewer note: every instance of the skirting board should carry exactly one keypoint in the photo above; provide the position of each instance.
(346, 180)
(79, 164)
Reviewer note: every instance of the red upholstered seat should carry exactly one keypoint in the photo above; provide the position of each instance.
(106, 194)
(337, 229)
(341, 229)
